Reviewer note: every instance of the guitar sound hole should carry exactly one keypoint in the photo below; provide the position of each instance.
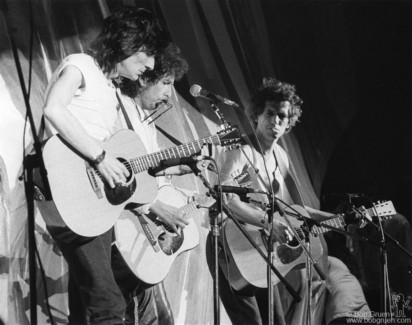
(170, 244)
(293, 242)
(121, 193)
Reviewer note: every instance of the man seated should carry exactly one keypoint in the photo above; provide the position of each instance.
(274, 110)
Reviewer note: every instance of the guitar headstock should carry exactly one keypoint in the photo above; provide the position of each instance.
(382, 210)
(230, 137)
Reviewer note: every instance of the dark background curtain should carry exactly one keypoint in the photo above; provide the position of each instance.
(351, 62)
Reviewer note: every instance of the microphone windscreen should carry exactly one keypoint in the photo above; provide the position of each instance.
(195, 90)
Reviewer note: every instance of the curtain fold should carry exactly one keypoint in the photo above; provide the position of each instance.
(230, 46)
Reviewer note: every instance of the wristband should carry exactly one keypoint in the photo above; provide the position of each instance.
(99, 158)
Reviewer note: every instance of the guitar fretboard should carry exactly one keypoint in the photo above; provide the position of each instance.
(382, 210)
(337, 222)
(143, 163)
(190, 209)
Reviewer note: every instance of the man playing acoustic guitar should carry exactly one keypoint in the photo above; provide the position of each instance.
(81, 106)
(147, 302)
(263, 165)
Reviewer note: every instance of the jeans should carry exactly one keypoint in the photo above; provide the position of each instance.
(146, 304)
(94, 297)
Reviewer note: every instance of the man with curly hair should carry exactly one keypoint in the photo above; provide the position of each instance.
(81, 106)
(264, 165)
(148, 304)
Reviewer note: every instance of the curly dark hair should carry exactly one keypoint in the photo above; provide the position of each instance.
(278, 91)
(126, 31)
(168, 62)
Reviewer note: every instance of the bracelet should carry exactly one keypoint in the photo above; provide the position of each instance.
(99, 158)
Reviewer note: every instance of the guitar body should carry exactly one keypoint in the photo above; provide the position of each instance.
(246, 267)
(84, 203)
(146, 245)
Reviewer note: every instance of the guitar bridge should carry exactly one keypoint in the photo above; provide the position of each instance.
(95, 182)
(148, 232)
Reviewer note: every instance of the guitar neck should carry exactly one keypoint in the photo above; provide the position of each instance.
(337, 222)
(152, 160)
(341, 221)
(190, 209)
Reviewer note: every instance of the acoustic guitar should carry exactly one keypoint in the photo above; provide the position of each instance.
(150, 247)
(83, 200)
(243, 266)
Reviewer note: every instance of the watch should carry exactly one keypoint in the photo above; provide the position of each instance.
(99, 158)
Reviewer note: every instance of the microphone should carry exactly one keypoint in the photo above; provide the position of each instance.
(197, 91)
(343, 196)
(236, 189)
(353, 195)
(180, 161)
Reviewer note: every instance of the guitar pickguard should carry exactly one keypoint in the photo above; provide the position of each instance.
(170, 244)
(286, 253)
(168, 241)
(121, 193)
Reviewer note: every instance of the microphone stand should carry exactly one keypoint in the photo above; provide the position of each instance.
(215, 241)
(384, 238)
(253, 243)
(385, 285)
(307, 221)
(310, 262)
(30, 163)
(224, 124)
(309, 280)
(271, 240)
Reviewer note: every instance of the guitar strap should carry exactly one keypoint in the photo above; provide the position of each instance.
(169, 136)
(289, 180)
(126, 117)
(284, 170)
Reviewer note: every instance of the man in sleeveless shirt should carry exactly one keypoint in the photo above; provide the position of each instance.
(263, 164)
(81, 106)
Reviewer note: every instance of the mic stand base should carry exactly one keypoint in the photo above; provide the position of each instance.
(29, 191)
(215, 244)
(309, 284)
